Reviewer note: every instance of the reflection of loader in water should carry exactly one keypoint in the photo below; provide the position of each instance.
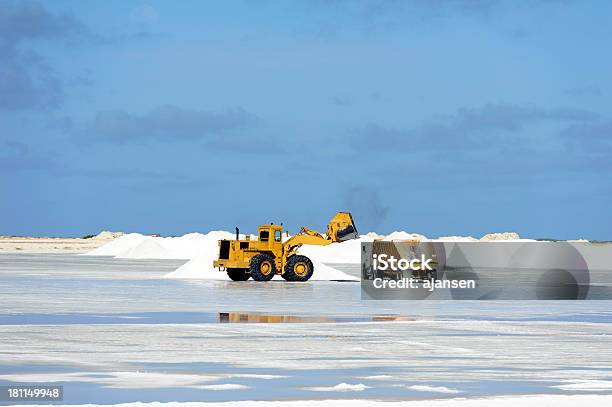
(249, 318)
(408, 250)
(263, 258)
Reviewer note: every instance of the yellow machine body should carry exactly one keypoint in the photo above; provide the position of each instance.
(238, 254)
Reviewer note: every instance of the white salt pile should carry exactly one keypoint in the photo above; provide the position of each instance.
(191, 245)
(323, 272)
(118, 245)
(149, 248)
(137, 246)
(344, 252)
(373, 236)
(350, 250)
(199, 267)
(401, 236)
(181, 248)
(201, 250)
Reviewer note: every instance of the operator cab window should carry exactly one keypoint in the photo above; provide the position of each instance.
(264, 235)
(277, 236)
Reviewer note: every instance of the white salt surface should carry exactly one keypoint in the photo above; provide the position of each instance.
(123, 380)
(586, 385)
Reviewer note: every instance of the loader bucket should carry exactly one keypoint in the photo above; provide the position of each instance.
(347, 234)
(342, 228)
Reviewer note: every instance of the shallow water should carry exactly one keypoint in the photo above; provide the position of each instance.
(115, 331)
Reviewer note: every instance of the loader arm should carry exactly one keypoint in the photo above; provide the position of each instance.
(310, 232)
(339, 229)
(301, 238)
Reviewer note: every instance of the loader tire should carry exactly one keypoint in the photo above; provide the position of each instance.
(298, 268)
(263, 267)
(238, 274)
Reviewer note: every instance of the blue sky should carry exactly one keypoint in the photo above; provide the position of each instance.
(437, 117)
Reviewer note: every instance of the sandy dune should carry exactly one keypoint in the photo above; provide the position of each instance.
(24, 244)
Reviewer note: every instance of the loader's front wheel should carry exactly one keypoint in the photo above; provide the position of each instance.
(238, 274)
(263, 267)
(298, 268)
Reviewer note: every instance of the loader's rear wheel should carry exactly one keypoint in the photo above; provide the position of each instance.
(298, 268)
(238, 274)
(263, 267)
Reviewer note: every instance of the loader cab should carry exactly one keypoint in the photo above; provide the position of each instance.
(272, 235)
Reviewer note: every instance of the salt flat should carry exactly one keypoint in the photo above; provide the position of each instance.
(115, 331)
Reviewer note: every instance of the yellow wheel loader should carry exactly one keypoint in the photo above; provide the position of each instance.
(268, 255)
